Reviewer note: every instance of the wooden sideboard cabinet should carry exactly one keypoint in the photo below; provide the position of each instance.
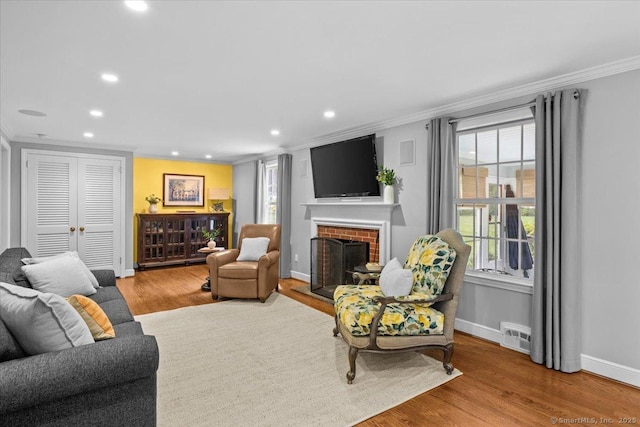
(171, 239)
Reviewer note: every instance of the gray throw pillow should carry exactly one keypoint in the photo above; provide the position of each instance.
(41, 322)
(74, 254)
(62, 276)
(253, 248)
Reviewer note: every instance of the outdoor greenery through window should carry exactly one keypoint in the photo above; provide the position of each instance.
(496, 197)
(270, 192)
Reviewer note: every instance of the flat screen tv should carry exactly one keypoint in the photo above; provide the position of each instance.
(345, 169)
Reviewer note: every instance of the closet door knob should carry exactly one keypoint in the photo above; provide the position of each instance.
(72, 229)
(81, 228)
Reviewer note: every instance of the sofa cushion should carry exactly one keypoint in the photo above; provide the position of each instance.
(239, 270)
(41, 322)
(355, 308)
(117, 311)
(430, 259)
(128, 328)
(62, 276)
(93, 316)
(9, 347)
(105, 294)
(73, 254)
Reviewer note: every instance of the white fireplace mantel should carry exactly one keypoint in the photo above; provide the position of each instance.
(373, 216)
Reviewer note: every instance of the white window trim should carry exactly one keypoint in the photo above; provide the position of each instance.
(491, 280)
(508, 283)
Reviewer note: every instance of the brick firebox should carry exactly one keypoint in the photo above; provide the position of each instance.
(357, 234)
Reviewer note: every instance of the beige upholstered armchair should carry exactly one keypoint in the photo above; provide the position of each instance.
(234, 278)
(370, 321)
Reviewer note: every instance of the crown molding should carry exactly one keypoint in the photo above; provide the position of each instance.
(529, 89)
(57, 142)
(6, 132)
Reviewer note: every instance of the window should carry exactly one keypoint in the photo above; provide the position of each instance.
(495, 204)
(270, 192)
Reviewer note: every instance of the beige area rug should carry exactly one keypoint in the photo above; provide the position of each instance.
(243, 363)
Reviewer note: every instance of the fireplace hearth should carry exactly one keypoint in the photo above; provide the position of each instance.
(331, 259)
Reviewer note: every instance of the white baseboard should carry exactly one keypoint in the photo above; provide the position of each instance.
(591, 364)
(479, 331)
(301, 276)
(611, 370)
(129, 272)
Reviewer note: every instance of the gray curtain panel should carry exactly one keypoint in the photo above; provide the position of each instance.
(556, 327)
(283, 213)
(441, 175)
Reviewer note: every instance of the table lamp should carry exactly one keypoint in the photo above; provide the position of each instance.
(218, 195)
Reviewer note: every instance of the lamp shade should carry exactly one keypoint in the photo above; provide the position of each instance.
(218, 194)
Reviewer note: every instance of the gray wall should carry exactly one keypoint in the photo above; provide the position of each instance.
(16, 215)
(610, 204)
(243, 197)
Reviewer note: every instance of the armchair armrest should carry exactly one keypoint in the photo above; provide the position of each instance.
(218, 259)
(53, 376)
(411, 299)
(269, 258)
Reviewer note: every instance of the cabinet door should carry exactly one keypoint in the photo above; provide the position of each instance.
(175, 238)
(51, 199)
(151, 233)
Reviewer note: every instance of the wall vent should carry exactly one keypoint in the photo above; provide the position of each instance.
(515, 337)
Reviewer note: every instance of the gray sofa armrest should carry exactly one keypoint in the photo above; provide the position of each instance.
(54, 376)
(105, 277)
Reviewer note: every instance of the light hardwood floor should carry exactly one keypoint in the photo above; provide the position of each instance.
(498, 387)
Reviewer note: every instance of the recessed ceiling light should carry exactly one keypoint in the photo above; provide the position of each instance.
(208, 156)
(137, 5)
(33, 113)
(96, 113)
(88, 135)
(329, 114)
(275, 132)
(111, 78)
(174, 153)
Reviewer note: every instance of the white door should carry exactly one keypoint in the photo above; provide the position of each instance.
(98, 230)
(73, 202)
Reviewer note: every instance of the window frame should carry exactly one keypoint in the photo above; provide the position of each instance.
(270, 207)
(507, 282)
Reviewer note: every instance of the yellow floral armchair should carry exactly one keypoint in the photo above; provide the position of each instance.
(370, 321)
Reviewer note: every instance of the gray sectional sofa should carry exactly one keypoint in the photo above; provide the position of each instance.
(110, 382)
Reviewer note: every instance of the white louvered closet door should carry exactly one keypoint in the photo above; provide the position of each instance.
(74, 203)
(99, 212)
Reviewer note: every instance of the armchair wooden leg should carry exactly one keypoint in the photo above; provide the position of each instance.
(214, 296)
(353, 353)
(335, 330)
(262, 300)
(446, 361)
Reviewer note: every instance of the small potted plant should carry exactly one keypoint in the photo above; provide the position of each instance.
(153, 202)
(211, 236)
(387, 177)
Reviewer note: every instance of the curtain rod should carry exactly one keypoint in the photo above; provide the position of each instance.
(576, 95)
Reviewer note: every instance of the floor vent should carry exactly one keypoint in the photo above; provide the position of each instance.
(515, 337)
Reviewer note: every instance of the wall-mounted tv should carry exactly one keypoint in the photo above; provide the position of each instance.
(346, 168)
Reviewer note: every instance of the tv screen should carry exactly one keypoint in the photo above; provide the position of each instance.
(345, 169)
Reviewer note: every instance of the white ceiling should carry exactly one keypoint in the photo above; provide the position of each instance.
(205, 77)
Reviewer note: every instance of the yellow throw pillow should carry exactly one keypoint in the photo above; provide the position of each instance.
(94, 317)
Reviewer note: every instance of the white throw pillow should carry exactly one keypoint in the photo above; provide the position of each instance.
(85, 269)
(62, 276)
(41, 322)
(394, 280)
(253, 248)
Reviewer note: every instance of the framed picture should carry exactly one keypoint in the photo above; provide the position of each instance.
(183, 190)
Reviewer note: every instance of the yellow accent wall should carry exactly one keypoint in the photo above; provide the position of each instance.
(148, 179)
